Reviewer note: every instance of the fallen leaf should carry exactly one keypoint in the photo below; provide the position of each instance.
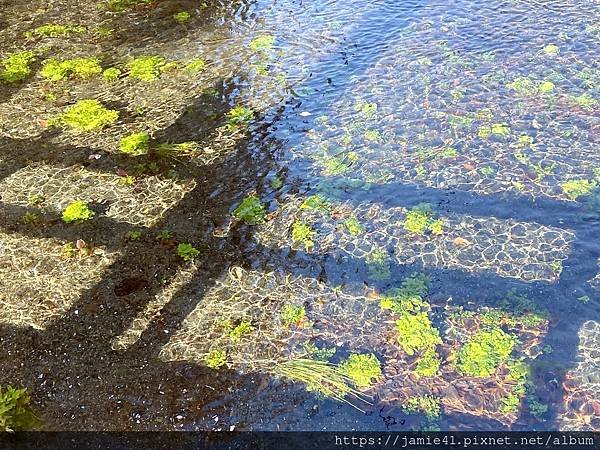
(461, 242)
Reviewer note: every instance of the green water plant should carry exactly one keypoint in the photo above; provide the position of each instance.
(319, 354)
(55, 30)
(302, 233)
(77, 211)
(353, 226)
(86, 115)
(262, 43)
(146, 68)
(551, 50)
(135, 144)
(293, 314)
(111, 74)
(57, 70)
(339, 164)
(578, 188)
(584, 101)
(15, 410)
(16, 66)
(409, 297)
(216, 358)
(362, 369)
(378, 265)
(420, 219)
(416, 333)
(484, 352)
(195, 66)
(124, 5)
(317, 203)
(426, 404)
(30, 218)
(239, 116)
(428, 364)
(182, 17)
(187, 251)
(239, 331)
(251, 210)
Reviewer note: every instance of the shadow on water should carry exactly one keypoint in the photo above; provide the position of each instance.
(72, 361)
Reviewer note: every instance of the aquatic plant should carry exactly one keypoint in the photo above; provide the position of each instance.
(372, 135)
(164, 235)
(339, 164)
(484, 352)
(30, 218)
(362, 369)
(194, 66)
(578, 188)
(407, 298)
(276, 183)
(182, 17)
(111, 74)
(426, 404)
(262, 43)
(428, 364)
(216, 358)
(509, 403)
(378, 265)
(319, 354)
(123, 5)
(251, 210)
(187, 251)
(366, 109)
(536, 408)
(416, 333)
(146, 68)
(556, 266)
(239, 116)
(551, 50)
(239, 331)
(35, 199)
(302, 233)
(86, 115)
(546, 87)
(317, 203)
(135, 144)
(16, 66)
(584, 101)
(55, 30)
(353, 226)
(77, 211)
(15, 412)
(56, 70)
(134, 235)
(321, 377)
(420, 219)
(523, 85)
(69, 250)
(293, 314)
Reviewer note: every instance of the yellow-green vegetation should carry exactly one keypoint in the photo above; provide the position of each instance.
(302, 233)
(339, 164)
(30, 218)
(527, 86)
(251, 210)
(378, 265)
(319, 354)
(584, 101)
(409, 297)
(293, 314)
(319, 376)
(362, 369)
(578, 188)
(77, 211)
(187, 251)
(35, 199)
(15, 412)
(56, 70)
(420, 219)
(426, 404)
(195, 66)
(485, 352)
(353, 226)
(238, 117)
(146, 68)
(86, 115)
(16, 66)
(182, 16)
(367, 109)
(69, 250)
(496, 129)
(551, 50)
(123, 5)
(428, 364)
(262, 43)
(416, 333)
(316, 202)
(518, 372)
(134, 235)
(111, 74)
(239, 331)
(216, 358)
(55, 30)
(178, 149)
(135, 144)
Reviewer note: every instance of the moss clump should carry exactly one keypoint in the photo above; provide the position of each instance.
(216, 358)
(319, 354)
(187, 251)
(378, 265)
(578, 188)
(428, 364)
(293, 314)
(251, 210)
(239, 116)
(146, 68)
(123, 5)
(483, 353)
(409, 297)
(135, 144)
(416, 333)
(366, 109)
(551, 50)
(55, 70)
(15, 413)
(426, 404)
(55, 30)
(262, 43)
(182, 17)
(77, 211)
(362, 369)
(302, 233)
(86, 115)
(546, 87)
(111, 74)
(353, 226)
(584, 101)
(239, 331)
(195, 66)
(420, 219)
(16, 66)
